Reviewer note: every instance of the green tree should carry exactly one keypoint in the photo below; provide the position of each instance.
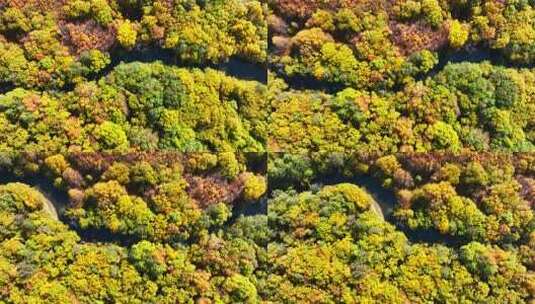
(111, 136)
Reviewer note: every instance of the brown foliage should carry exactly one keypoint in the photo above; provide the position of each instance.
(297, 8)
(76, 197)
(528, 189)
(98, 162)
(213, 189)
(305, 8)
(403, 179)
(42, 5)
(277, 25)
(282, 45)
(415, 37)
(73, 178)
(86, 35)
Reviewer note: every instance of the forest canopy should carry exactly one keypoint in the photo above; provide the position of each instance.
(466, 106)
(324, 241)
(279, 151)
(139, 107)
(48, 44)
(373, 44)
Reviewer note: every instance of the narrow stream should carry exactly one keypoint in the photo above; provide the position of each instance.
(58, 199)
(58, 202)
(6, 87)
(385, 200)
(243, 208)
(235, 66)
(471, 55)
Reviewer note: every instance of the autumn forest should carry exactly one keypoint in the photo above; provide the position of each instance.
(267, 151)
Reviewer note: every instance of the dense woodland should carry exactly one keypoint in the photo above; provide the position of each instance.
(381, 44)
(466, 106)
(182, 241)
(389, 158)
(321, 241)
(138, 107)
(47, 44)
